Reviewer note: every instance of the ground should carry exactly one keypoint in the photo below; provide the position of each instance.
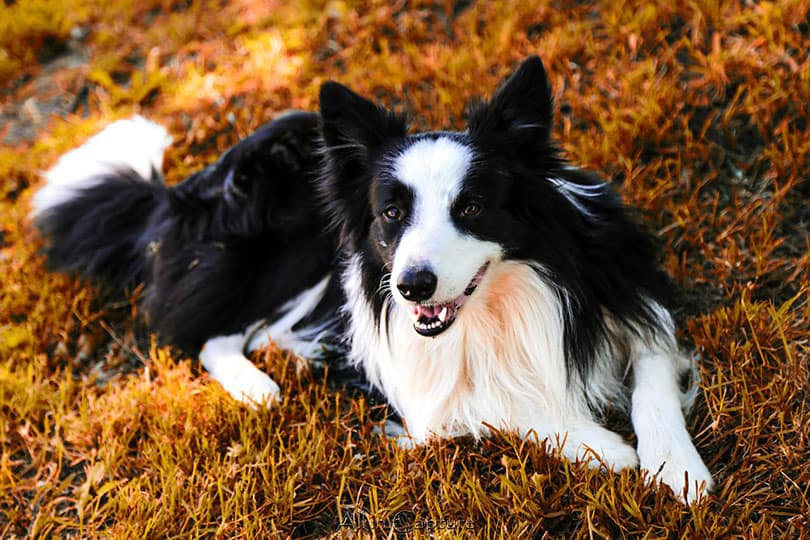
(698, 112)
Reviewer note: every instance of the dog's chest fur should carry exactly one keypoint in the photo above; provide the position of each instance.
(502, 363)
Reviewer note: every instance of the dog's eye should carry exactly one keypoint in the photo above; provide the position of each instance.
(392, 213)
(472, 209)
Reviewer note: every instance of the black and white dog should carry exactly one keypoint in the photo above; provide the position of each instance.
(473, 277)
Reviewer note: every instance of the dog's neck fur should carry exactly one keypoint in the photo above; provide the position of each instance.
(501, 363)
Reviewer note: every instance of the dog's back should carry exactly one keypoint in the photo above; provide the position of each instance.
(230, 245)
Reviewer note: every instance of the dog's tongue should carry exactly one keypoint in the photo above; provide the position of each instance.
(443, 312)
(427, 312)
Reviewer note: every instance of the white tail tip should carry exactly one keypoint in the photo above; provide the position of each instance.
(135, 143)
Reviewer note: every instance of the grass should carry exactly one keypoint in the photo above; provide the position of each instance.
(697, 111)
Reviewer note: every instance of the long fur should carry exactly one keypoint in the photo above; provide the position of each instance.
(228, 246)
(474, 278)
(571, 297)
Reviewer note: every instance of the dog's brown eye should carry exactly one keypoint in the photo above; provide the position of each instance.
(472, 209)
(392, 213)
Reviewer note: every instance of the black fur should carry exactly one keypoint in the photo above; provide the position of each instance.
(223, 249)
(600, 260)
(234, 242)
(95, 235)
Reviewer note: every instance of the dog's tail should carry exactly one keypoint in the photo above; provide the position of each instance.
(94, 208)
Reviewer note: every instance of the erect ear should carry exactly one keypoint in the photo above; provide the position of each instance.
(353, 125)
(355, 131)
(521, 111)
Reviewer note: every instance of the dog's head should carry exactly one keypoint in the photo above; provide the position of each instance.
(440, 210)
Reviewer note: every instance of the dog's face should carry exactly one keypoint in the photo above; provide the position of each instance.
(430, 226)
(431, 214)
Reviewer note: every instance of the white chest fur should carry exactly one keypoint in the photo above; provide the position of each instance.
(501, 363)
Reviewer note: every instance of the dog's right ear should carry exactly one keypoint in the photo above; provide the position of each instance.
(355, 132)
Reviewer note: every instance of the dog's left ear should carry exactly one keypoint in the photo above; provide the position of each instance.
(520, 113)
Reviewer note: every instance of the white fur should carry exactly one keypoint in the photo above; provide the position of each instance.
(665, 448)
(304, 342)
(502, 363)
(135, 143)
(224, 358)
(574, 192)
(435, 169)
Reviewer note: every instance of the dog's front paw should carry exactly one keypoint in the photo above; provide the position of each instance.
(681, 468)
(603, 448)
(252, 387)
(222, 357)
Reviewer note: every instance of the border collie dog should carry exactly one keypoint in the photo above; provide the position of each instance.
(474, 278)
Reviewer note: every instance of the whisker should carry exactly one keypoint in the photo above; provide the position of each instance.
(343, 146)
(383, 286)
(529, 126)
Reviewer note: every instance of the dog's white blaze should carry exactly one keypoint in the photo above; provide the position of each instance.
(435, 170)
(502, 362)
(135, 143)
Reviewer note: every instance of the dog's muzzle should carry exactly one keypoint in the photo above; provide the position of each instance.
(431, 319)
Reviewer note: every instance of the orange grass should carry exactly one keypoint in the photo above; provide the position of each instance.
(697, 111)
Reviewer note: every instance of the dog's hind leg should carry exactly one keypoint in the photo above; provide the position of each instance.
(296, 330)
(224, 359)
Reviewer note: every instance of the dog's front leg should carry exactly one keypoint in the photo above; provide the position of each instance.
(664, 446)
(224, 359)
(585, 440)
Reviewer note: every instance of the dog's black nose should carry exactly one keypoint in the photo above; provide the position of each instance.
(417, 285)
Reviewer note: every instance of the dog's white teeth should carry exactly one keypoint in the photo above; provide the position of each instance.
(429, 325)
(443, 314)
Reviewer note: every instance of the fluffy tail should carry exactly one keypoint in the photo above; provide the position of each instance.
(94, 208)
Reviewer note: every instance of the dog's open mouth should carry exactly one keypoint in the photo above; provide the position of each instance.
(432, 319)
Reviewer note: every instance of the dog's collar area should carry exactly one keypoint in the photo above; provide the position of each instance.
(430, 320)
